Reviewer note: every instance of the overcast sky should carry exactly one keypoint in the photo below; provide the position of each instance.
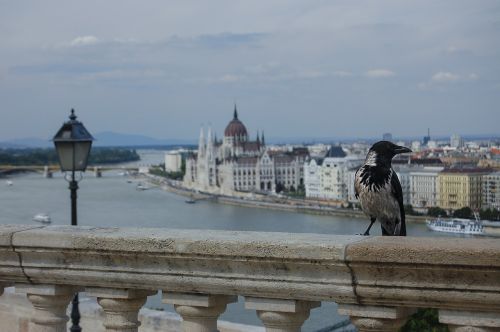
(294, 68)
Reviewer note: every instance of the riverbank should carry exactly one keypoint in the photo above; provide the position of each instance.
(283, 204)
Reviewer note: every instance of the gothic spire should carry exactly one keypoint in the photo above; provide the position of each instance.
(235, 112)
(262, 139)
(258, 138)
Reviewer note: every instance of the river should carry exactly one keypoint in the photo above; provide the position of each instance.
(111, 201)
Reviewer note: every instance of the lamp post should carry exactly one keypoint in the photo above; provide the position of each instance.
(73, 143)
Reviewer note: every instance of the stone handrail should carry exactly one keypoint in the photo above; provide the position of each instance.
(377, 281)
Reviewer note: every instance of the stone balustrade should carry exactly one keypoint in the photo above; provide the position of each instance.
(377, 281)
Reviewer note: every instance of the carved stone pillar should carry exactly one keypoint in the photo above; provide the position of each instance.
(470, 321)
(2, 286)
(49, 303)
(199, 312)
(280, 315)
(121, 307)
(373, 318)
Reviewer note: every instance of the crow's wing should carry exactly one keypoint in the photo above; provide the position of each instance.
(356, 192)
(397, 192)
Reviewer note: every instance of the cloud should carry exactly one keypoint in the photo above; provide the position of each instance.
(342, 73)
(84, 41)
(473, 76)
(447, 77)
(444, 76)
(379, 73)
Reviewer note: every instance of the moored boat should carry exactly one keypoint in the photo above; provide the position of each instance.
(456, 225)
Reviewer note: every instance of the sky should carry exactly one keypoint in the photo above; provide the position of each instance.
(340, 69)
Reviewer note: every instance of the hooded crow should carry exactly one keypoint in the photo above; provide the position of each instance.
(378, 189)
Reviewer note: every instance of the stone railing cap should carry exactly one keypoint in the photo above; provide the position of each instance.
(206, 242)
(420, 250)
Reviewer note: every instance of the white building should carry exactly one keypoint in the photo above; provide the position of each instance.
(456, 141)
(238, 164)
(491, 191)
(424, 187)
(328, 178)
(173, 161)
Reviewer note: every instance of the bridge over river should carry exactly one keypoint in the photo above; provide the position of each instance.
(48, 170)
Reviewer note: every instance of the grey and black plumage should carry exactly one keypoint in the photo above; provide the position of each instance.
(378, 189)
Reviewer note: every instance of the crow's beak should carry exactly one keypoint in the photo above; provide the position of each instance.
(401, 149)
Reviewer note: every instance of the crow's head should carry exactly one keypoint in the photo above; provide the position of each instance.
(382, 152)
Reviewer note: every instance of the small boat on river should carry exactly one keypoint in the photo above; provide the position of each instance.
(43, 218)
(140, 186)
(190, 200)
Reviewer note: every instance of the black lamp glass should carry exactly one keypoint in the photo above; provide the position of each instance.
(73, 143)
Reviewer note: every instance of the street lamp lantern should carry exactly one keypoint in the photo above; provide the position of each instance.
(73, 143)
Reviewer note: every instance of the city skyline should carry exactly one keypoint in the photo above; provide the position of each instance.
(295, 69)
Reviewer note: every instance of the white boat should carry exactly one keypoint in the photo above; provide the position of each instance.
(9, 183)
(42, 217)
(190, 200)
(140, 186)
(456, 225)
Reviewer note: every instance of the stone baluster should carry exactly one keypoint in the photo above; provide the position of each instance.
(49, 303)
(121, 307)
(375, 318)
(2, 286)
(199, 312)
(279, 315)
(470, 321)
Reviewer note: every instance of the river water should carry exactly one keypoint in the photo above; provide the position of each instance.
(111, 201)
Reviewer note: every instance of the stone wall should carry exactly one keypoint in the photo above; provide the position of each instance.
(377, 281)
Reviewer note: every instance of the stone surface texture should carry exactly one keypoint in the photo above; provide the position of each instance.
(454, 274)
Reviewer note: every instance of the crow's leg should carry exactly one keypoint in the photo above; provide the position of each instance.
(367, 232)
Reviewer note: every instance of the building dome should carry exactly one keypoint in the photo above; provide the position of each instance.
(235, 128)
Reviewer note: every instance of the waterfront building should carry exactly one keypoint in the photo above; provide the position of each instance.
(173, 161)
(238, 164)
(460, 187)
(491, 190)
(328, 177)
(424, 187)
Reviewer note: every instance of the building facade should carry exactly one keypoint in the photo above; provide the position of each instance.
(173, 161)
(424, 187)
(491, 191)
(459, 188)
(328, 177)
(238, 164)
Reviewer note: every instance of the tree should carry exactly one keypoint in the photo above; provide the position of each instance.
(490, 214)
(409, 210)
(424, 320)
(465, 212)
(436, 212)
